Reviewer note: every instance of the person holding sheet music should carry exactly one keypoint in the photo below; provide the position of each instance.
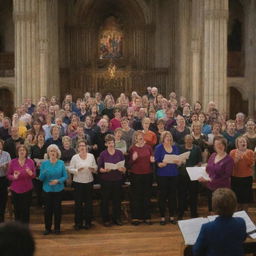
(82, 166)
(241, 180)
(226, 234)
(111, 181)
(219, 167)
(186, 186)
(141, 156)
(167, 176)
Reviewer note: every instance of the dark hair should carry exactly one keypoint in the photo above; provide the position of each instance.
(160, 121)
(16, 239)
(109, 137)
(222, 140)
(21, 146)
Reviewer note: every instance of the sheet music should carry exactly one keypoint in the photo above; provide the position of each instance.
(185, 155)
(250, 226)
(190, 229)
(171, 158)
(116, 166)
(197, 172)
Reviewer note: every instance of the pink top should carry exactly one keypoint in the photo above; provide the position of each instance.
(24, 181)
(114, 123)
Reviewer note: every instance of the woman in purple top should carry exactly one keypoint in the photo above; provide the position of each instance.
(219, 167)
(21, 171)
(111, 182)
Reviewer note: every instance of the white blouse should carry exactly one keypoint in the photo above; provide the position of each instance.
(85, 175)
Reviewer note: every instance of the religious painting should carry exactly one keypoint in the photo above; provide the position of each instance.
(110, 39)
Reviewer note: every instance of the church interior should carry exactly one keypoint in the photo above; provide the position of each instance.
(201, 49)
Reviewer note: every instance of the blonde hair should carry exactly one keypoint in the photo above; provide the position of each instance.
(66, 138)
(136, 134)
(240, 138)
(195, 123)
(163, 136)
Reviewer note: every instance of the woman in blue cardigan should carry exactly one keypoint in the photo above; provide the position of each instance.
(167, 176)
(225, 235)
(53, 175)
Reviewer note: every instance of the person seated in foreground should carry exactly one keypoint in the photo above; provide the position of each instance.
(16, 240)
(226, 234)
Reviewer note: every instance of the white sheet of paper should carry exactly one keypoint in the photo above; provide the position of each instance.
(190, 229)
(171, 158)
(197, 172)
(111, 166)
(185, 155)
(250, 226)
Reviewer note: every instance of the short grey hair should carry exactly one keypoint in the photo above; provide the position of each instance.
(56, 148)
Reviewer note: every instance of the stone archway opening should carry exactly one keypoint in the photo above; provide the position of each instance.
(6, 101)
(237, 103)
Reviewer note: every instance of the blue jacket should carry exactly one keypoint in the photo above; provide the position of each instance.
(49, 172)
(222, 237)
(169, 169)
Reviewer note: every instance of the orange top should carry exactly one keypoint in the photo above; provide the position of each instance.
(243, 168)
(150, 138)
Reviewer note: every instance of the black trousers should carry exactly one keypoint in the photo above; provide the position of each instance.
(52, 208)
(21, 203)
(141, 190)
(167, 193)
(3, 196)
(83, 202)
(111, 191)
(38, 187)
(187, 195)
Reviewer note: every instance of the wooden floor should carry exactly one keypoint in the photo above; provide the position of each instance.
(126, 240)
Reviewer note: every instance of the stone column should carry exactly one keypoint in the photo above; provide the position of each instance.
(215, 53)
(48, 44)
(182, 48)
(26, 68)
(250, 53)
(196, 34)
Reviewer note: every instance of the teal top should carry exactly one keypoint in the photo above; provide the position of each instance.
(49, 172)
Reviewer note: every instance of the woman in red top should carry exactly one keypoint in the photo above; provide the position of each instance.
(149, 136)
(116, 121)
(241, 180)
(141, 157)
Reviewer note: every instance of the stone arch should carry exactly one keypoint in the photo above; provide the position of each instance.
(236, 102)
(86, 8)
(236, 40)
